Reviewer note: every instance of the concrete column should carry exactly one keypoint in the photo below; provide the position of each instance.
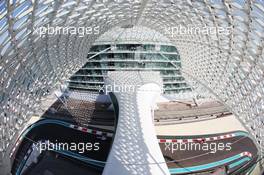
(135, 148)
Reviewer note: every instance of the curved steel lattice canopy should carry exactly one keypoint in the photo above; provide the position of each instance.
(231, 64)
(135, 34)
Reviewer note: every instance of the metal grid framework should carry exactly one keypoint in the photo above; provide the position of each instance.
(136, 48)
(231, 66)
(135, 34)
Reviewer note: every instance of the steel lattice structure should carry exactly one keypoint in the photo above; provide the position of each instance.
(230, 66)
